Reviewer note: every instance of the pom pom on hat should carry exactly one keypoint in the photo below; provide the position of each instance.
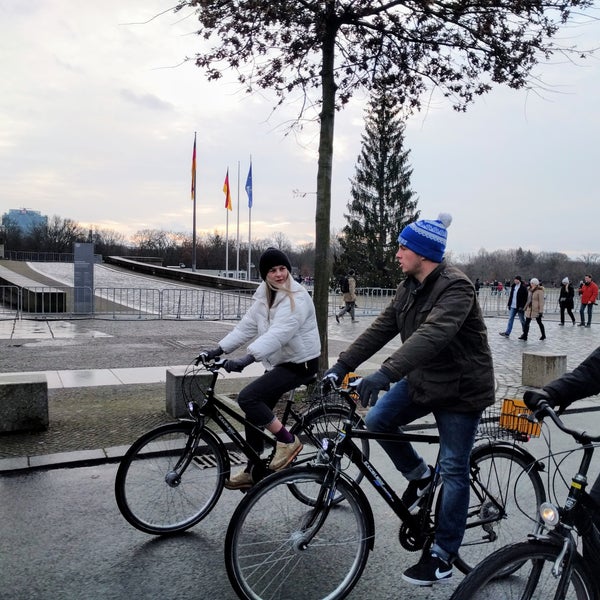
(272, 257)
(427, 238)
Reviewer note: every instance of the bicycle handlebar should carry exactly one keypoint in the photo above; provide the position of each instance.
(544, 409)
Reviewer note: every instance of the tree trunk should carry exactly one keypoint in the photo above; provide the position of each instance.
(323, 208)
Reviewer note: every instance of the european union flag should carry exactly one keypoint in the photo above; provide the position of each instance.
(249, 186)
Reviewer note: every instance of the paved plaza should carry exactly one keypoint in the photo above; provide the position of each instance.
(101, 361)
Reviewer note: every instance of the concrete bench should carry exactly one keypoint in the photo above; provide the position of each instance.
(540, 368)
(23, 402)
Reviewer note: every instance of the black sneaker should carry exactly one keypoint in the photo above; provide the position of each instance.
(429, 570)
(504, 334)
(415, 491)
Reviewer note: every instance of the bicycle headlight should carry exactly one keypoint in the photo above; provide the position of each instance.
(549, 514)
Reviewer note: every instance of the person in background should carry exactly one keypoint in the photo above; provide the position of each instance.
(348, 285)
(443, 367)
(516, 305)
(589, 294)
(566, 300)
(534, 308)
(282, 324)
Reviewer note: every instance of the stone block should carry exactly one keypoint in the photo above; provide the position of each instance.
(23, 402)
(178, 388)
(540, 368)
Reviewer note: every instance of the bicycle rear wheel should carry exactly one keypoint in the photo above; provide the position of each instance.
(326, 422)
(157, 498)
(278, 548)
(530, 566)
(506, 491)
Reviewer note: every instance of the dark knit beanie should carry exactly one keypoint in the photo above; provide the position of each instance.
(427, 238)
(272, 257)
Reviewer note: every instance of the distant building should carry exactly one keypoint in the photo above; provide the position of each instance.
(24, 219)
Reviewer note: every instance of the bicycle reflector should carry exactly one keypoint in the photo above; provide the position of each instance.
(549, 514)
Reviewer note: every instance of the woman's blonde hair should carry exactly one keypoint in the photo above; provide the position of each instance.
(285, 288)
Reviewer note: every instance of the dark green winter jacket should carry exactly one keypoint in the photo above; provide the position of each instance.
(444, 353)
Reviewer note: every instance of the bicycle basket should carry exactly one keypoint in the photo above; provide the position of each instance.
(508, 421)
(513, 417)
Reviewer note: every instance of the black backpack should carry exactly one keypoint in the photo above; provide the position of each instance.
(344, 285)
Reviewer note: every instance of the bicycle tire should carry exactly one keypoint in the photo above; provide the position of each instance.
(264, 556)
(152, 503)
(325, 422)
(529, 564)
(506, 476)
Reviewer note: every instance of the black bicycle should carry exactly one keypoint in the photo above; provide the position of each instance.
(275, 538)
(172, 476)
(548, 565)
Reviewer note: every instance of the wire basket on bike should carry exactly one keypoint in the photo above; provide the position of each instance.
(194, 386)
(508, 421)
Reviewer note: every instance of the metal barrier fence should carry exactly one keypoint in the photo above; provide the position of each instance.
(190, 303)
(122, 303)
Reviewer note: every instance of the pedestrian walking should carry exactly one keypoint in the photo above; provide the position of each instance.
(348, 287)
(589, 294)
(566, 300)
(517, 299)
(534, 309)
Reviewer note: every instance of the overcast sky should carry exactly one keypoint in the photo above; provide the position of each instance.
(97, 120)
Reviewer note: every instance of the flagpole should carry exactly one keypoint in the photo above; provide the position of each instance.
(226, 189)
(237, 239)
(194, 211)
(249, 191)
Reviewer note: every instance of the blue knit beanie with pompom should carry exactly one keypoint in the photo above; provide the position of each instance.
(427, 238)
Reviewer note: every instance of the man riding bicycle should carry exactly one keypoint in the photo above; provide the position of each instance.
(444, 367)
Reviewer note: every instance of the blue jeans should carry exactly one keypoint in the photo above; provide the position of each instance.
(457, 434)
(511, 319)
(589, 313)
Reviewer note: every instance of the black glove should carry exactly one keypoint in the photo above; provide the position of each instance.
(534, 398)
(211, 353)
(334, 376)
(369, 387)
(238, 364)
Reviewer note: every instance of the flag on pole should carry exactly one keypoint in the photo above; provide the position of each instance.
(227, 192)
(249, 186)
(194, 170)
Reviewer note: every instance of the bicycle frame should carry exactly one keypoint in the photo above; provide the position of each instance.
(218, 411)
(580, 513)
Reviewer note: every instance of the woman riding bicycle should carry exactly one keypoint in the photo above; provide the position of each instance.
(283, 317)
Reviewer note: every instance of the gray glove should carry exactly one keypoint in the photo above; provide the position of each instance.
(238, 364)
(370, 386)
(334, 376)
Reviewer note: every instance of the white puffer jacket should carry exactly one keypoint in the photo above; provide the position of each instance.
(284, 335)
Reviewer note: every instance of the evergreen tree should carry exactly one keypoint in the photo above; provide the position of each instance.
(382, 202)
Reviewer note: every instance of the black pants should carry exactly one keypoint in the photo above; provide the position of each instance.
(258, 399)
(538, 320)
(569, 312)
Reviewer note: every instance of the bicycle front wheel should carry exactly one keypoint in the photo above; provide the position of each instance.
(530, 566)
(326, 422)
(506, 492)
(159, 489)
(277, 547)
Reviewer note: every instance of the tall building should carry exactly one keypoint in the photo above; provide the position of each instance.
(24, 218)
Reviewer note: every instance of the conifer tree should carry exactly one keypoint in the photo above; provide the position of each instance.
(382, 201)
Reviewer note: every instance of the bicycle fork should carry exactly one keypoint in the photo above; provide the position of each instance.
(173, 477)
